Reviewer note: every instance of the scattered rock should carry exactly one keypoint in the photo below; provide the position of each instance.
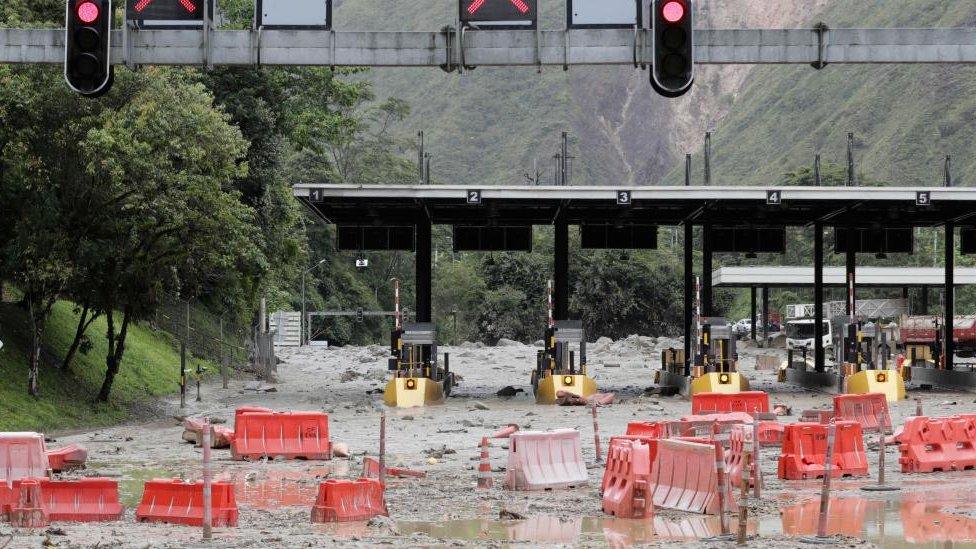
(385, 524)
(505, 514)
(260, 387)
(340, 449)
(505, 342)
(407, 418)
(376, 374)
(349, 375)
(949, 403)
(611, 364)
(378, 350)
(480, 405)
(55, 532)
(469, 423)
(509, 391)
(366, 358)
(539, 343)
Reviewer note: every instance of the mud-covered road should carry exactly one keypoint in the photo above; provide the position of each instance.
(445, 509)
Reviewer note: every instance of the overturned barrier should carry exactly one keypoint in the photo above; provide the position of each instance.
(804, 452)
(371, 469)
(930, 444)
(289, 435)
(545, 460)
(771, 433)
(626, 486)
(707, 425)
(177, 502)
(221, 437)
(870, 410)
(817, 416)
(22, 455)
(721, 403)
(67, 458)
(653, 429)
(349, 500)
(686, 476)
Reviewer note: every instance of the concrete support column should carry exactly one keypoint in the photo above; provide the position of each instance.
(706, 287)
(950, 293)
(689, 283)
(561, 271)
(818, 298)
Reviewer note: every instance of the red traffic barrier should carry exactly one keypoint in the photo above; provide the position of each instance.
(685, 476)
(706, 425)
(291, 435)
(22, 455)
(349, 500)
(804, 452)
(929, 444)
(67, 458)
(626, 493)
(646, 428)
(249, 410)
(83, 500)
(29, 512)
(506, 431)
(870, 410)
(178, 502)
(649, 442)
(545, 460)
(739, 440)
(371, 469)
(722, 403)
(771, 433)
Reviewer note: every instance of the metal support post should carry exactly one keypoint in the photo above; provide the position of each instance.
(752, 313)
(561, 270)
(818, 298)
(950, 294)
(423, 270)
(707, 270)
(689, 292)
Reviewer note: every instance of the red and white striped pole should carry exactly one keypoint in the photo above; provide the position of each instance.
(484, 467)
(551, 318)
(396, 303)
(724, 489)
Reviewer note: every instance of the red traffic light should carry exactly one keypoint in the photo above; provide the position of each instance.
(673, 12)
(87, 12)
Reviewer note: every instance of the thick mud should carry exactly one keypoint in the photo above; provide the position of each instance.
(445, 509)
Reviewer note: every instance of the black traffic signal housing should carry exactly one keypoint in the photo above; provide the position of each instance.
(87, 46)
(673, 69)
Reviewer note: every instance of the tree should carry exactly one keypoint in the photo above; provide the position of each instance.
(164, 162)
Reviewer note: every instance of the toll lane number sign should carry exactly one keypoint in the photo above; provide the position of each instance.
(164, 10)
(520, 14)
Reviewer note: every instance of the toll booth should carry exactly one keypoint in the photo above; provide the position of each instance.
(716, 364)
(556, 369)
(865, 355)
(418, 379)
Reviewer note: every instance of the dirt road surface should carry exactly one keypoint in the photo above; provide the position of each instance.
(446, 509)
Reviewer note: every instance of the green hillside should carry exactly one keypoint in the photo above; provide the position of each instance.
(150, 368)
(905, 118)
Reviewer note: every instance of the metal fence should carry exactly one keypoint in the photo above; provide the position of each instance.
(217, 338)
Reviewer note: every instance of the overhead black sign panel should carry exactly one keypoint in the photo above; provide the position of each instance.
(609, 237)
(492, 239)
(967, 241)
(165, 10)
(357, 238)
(758, 240)
(892, 240)
(499, 14)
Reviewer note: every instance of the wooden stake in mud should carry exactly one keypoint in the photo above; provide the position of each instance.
(821, 537)
(743, 496)
(596, 435)
(383, 446)
(207, 482)
(756, 471)
(880, 486)
(724, 490)
(918, 406)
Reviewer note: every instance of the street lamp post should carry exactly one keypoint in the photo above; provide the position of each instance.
(304, 323)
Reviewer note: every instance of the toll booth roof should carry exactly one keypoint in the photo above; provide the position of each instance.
(392, 205)
(880, 277)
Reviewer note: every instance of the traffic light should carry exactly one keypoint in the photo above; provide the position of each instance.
(673, 70)
(87, 43)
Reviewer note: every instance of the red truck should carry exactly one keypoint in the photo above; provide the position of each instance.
(926, 331)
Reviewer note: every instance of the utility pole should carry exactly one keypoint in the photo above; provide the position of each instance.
(850, 159)
(427, 157)
(420, 157)
(948, 171)
(563, 167)
(708, 158)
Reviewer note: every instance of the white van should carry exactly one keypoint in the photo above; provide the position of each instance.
(800, 334)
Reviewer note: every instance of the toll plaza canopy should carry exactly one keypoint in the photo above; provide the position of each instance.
(878, 277)
(661, 205)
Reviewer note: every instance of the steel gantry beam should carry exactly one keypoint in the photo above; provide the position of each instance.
(451, 49)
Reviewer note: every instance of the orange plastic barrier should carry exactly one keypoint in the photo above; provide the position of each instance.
(22, 456)
(685, 476)
(771, 433)
(28, 512)
(739, 440)
(870, 410)
(646, 428)
(69, 457)
(722, 403)
(249, 410)
(804, 452)
(193, 432)
(649, 441)
(545, 460)
(371, 469)
(706, 425)
(937, 444)
(349, 500)
(84, 500)
(626, 493)
(178, 502)
(291, 435)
